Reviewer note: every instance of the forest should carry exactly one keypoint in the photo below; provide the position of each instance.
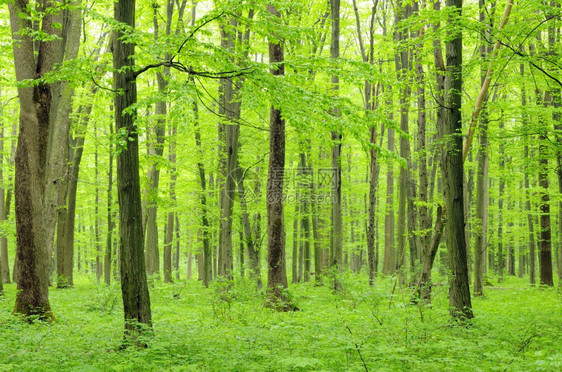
(249, 185)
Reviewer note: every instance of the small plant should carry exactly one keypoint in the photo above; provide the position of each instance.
(105, 299)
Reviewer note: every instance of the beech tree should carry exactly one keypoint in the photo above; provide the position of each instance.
(134, 288)
(452, 165)
(45, 103)
(276, 273)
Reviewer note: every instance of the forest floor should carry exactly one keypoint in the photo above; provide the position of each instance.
(518, 328)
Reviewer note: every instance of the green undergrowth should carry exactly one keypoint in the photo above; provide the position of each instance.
(227, 328)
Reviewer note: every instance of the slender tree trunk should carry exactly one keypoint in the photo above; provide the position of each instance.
(389, 266)
(305, 214)
(423, 288)
(522, 256)
(177, 254)
(500, 260)
(7, 207)
(97, 235)
(4, 210)
(374, 167)
(480, 236)
(276, 274)
(545, 235)
(4, 266)
(405, 199)
(337, 135)
(207, 254)
(230, 107)
(295, 256)
(558, 127)
(250, 236)
(134, 288)
(170, 227)
(452, 164)
(531, 233)
(422, 150)
(110, 221)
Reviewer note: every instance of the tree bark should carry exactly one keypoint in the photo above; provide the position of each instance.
(500, 259)
(40, 156)
(251, 236)
(337, 136)
(134, 288)
(305, 214)
(423, 288)
(4, 210)
(110, 221)
(406, 209)
(452, 165)
(276, 274)
(389, 265)
(207, 254)
(170, 227)
(545, 234)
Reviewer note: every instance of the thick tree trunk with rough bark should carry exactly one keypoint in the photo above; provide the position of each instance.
(40, 156)
(134, 288)
(452, 165)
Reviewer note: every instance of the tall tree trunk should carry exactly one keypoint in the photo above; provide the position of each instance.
(480, 236)
(500, 260)
(405, 198)
(230, 109)
(177, 254)
(429, 249)
(250, 236)
(373, 175)
(170, 227)
(110, 221)
(43, 132)
(337, 135)
(4, 211)
(4, 265)
(422, 151)
(531, 231)
(452, 164)
(545, 235)
(134, 288)
(423, 287)
(7, 207)
(276, 274)
(558, 128)
(97, 235)
(295, 256)
(305, 213)
(65, 250)
(207, 254)
(317, 231)
(389, 266)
